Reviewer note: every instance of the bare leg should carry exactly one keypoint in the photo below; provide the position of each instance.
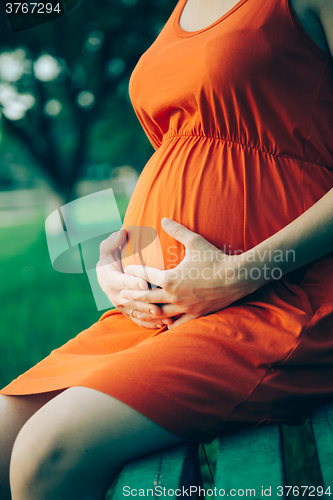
(76, 444)
(14, 412)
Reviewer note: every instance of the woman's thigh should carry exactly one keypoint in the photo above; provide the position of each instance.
(76, 444)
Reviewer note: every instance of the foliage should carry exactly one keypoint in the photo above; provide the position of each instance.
(65, 82)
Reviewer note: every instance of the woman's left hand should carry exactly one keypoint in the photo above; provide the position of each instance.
(204, 282)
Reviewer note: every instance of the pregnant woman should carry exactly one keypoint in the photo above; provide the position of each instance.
(237, 99)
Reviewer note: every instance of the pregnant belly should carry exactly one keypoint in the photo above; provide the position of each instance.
(232, 195)
(187, 180)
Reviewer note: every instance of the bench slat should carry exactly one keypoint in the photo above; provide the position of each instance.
(322, 426)
(171, 469)
(251, 459)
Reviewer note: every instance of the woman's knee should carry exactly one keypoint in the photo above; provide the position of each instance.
(44, 466)
(14, 412)
(31, 462)
(76, 444)
(62, 452)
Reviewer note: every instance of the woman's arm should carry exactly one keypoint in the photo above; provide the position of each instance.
(304, 240)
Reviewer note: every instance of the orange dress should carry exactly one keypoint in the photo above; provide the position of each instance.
(240, 115)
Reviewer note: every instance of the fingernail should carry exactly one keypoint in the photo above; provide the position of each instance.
(159, 326)
(152, 312)
(165, 221)
(123, 294)
(142, 286)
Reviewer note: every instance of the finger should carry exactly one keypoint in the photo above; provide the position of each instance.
(179, 232)
(183, 319)
(112, 282)
(169, 310)
(112, 243)
(156, 321)
(119, 280)
(152, 311)
(145, 324)
(156, 296)
(150, 274)
(146, 317)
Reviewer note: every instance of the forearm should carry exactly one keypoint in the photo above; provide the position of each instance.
(304, 240)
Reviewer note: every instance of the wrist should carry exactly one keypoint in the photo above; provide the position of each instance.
(240, 273)
(261, 265)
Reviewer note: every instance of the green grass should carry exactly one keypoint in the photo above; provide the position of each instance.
(40, 308)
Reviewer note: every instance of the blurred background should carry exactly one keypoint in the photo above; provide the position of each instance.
(67, 129)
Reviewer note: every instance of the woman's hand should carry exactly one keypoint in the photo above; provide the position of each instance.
(205, 281)
(112, 280)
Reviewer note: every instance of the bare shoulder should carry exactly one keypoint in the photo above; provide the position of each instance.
(323, 10)
(316, 16)
(320, 5)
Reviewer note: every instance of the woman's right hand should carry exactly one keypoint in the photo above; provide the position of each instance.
(112, 280)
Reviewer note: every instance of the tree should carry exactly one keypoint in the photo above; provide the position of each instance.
(57, 80)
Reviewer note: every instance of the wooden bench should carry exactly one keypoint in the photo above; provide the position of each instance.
(250, 463)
